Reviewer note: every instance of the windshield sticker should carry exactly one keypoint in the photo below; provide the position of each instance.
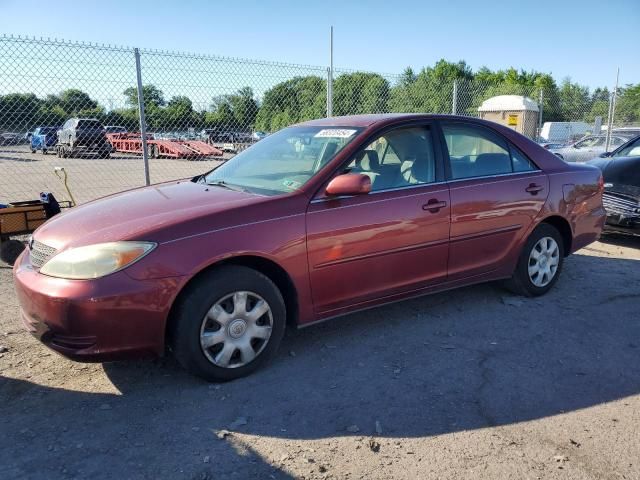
(291, 184)
(334, 133)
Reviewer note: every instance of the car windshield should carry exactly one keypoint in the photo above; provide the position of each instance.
(632, 149)
(283, 162)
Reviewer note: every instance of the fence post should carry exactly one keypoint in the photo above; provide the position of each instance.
(612, 112)
(330, 76)
(143, 121)
(540, 108)
(454, 106)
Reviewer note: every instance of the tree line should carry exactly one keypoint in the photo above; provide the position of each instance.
(304, 97)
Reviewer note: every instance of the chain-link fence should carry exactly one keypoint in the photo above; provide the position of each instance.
(79, 106)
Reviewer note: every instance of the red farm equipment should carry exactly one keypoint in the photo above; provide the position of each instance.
(188, 149)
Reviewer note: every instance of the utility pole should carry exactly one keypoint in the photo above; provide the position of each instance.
(143, 121)
(330, 76)
(612, 112)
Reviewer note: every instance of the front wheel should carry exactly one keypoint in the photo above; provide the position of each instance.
(228, 323)
(540, 262)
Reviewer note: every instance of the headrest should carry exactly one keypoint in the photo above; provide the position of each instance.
(492, 163)
(368, 160)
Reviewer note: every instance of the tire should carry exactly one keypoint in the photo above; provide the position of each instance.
(33, 151)
(44, 152)
(529, 276)
(194, 322)
(10, 250)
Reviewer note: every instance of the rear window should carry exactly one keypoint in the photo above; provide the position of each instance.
(89, 124)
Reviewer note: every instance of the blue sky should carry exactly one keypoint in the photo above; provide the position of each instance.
(564, 38)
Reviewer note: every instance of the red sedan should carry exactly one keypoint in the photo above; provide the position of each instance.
(315, 221)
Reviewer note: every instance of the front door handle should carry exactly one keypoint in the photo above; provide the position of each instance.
(434, 206)
(534, 188)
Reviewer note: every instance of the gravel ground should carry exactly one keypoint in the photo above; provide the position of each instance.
(25, 174)
(474, 383)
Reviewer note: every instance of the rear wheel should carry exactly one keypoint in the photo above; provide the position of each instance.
(540, 262)
(228, 324)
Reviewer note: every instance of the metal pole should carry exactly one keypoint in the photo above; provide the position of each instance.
(540, 107)
(612, 112)
(454, 107)
(143, 121)
(330, 76)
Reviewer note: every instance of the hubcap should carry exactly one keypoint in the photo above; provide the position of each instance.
(236, 329)
(543, 261)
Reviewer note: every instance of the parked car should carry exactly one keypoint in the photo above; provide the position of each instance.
(9, 138)
(588, 147)
(258, 135)
(550, 145)
(81, 136)
(621, 197)
(315, 221)
(115, 129)
(626, 131)
(44, 138)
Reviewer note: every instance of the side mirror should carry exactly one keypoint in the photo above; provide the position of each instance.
(349, 184)
(605, 154)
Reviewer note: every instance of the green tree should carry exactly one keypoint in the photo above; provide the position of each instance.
(236, 111)
(178, 114)
(19, 111)
(152, 96)
(628, 105)
(432, 89)
(292, 101)
(360, 92)
(575, 101)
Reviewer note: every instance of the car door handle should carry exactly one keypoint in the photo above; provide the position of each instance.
(534, 188)
(434, 206)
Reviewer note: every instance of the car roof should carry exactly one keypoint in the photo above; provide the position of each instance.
(368, 120)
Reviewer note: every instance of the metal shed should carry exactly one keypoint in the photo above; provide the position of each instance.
(514, 111)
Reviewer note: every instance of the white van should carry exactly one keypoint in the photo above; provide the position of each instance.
(563, 132)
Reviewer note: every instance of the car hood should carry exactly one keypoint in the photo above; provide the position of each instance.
(158, 213)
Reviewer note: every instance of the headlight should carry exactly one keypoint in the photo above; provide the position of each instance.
(94, 261)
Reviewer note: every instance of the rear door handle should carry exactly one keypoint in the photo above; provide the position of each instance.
(534, 188)
(434, 206)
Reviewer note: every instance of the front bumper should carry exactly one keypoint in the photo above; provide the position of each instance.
(110, 318)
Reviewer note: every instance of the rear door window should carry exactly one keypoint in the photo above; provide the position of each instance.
(476, 151)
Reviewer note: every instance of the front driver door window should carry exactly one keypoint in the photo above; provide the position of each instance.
(399, 158)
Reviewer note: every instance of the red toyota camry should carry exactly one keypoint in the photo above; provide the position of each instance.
(317, 220)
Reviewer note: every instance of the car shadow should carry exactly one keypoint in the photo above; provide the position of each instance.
(474, 358)
(629, 240)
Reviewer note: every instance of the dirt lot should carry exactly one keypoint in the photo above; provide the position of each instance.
(23, 175)
(468, 384)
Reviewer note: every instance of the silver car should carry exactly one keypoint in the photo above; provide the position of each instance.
(588, 147)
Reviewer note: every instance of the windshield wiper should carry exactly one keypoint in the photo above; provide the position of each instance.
(229, 186)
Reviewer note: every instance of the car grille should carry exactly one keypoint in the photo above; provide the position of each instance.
(621, 205)
(39, 253)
